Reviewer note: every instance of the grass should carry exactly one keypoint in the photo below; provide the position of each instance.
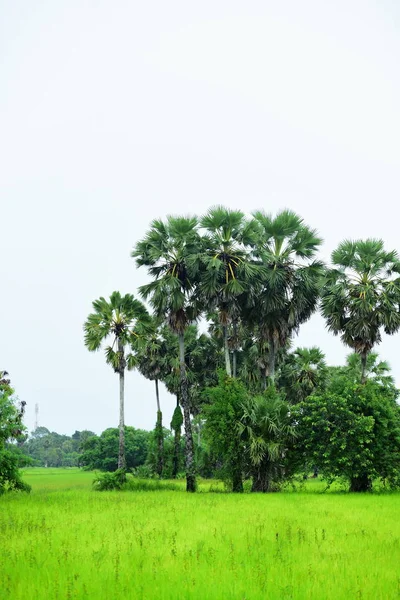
(66, 541)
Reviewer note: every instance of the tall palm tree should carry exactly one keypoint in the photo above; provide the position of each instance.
(151, 362)
(122, 320)
(170, 252)
(226, 268)
(361, 296)
(286, 249)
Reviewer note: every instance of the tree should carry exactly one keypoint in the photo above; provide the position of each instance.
(176, 426)
(361, 296)
(289, 293)
(169, 251)
(123, 319)
(267, 431)
(351, 432)
(303, 372)
(375, 369)
(11, 428)
(102, 452)
(222, 414)
(151, 361)
(226, 270)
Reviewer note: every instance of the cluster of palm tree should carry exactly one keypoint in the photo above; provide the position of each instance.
(256, 281)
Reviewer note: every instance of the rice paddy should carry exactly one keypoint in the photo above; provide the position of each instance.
(66, 541)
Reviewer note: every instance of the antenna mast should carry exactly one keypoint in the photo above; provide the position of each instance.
(36, 416)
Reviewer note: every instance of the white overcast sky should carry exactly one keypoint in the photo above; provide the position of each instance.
(115, 112)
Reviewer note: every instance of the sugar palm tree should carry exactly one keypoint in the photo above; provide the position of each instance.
(377, 370)
(266, 428)
(286, 249)
(361, 296)
(170, 252)
(226, 269)
(122, 320)
(151, 362)
(304, 371)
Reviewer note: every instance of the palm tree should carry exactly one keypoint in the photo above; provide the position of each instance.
(266, 429)
(151, 362)
(361, 297)
(169, 251)
(226, 268)
(122, 319)
(289, 294)
(377, 370)
(304, 371)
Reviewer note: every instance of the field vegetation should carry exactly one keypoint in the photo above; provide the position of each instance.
(65, 540)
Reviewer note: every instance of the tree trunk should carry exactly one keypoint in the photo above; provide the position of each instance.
(264, 379)
(189, 449)
(364, 367)
(261, 481)
(157, 396)
(121, 450)
(177, 447)
(234, 356)
(159, 435)
(271, 359)
(361, 483)
(226, 351)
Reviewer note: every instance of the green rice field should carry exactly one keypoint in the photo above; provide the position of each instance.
(66, 541)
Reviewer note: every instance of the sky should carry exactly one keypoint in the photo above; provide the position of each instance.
(116, 113)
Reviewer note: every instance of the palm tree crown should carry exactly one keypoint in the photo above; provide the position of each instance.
(361, 297)
(289, 293)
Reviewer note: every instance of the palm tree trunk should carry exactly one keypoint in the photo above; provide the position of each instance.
(177, 444)
(121, 449)
(364, 367)
(264, 379)
(159, 435)
(234, 356)
(226, 350)
(189, 449)
(157, 396)
(271, 359)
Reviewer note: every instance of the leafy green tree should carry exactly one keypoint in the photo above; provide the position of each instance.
(351, 433)
(286, 249)
(102, 452)
(222, 414)
(121, 319)
(169, 251)
(176, 426)
(226, 270)
(267, 431)
(11, 428)
(361, 295)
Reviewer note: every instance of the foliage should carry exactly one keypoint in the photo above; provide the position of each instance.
(222, 415)
(361, 295)
(303, 372)
(353, 432)
(101, 452)
(51, 449)
(266, 428)
(288, 296)
(11, 428)
(110, 481)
